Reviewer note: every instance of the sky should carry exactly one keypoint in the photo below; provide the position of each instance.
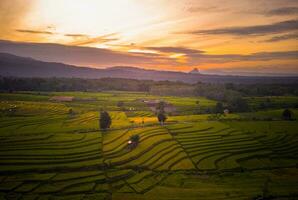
(217, 36)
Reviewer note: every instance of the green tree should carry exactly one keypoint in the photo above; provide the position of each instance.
(105, 120)
(287, 114)
(238, 105)
(133, 141)
(219, 108)
(135, 138)
(161, 117)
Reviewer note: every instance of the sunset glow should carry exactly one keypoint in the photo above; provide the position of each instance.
(161, 34)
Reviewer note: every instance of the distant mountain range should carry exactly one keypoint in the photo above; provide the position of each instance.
(11, 65)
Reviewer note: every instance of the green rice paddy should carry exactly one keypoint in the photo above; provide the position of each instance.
(46, 152)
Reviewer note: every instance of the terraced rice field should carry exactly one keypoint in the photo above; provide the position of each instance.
(46, 153)
(219, 146)
(157, 150)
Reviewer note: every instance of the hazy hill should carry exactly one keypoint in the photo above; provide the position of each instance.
(194, 71)
(11, 65)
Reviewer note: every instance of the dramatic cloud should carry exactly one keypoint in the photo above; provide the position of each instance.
(214, 33)
(283, 11)
(279, 27)
(84, 56)
(88, 56)
(34, 31)
(283, 37)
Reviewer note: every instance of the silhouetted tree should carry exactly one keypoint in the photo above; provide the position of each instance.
(287, 114)
(161, 117)
(219, 108)
(105, 120)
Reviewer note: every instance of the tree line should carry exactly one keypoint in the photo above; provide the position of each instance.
(230, 95)
(210, 90)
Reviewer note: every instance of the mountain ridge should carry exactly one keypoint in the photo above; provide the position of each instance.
(12, 65)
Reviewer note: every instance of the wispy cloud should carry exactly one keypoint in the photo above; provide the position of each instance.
(82, 39)
(34, 31)
(283, 37)
(182, 50)
(279, 27)
(258, 70)
(272, 55)
(206, 9)
(76, 35)
(260, 56)
(283, 11)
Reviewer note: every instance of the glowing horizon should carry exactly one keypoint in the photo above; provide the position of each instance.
(160, 34)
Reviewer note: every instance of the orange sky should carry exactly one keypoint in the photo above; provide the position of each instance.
(235, 35)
